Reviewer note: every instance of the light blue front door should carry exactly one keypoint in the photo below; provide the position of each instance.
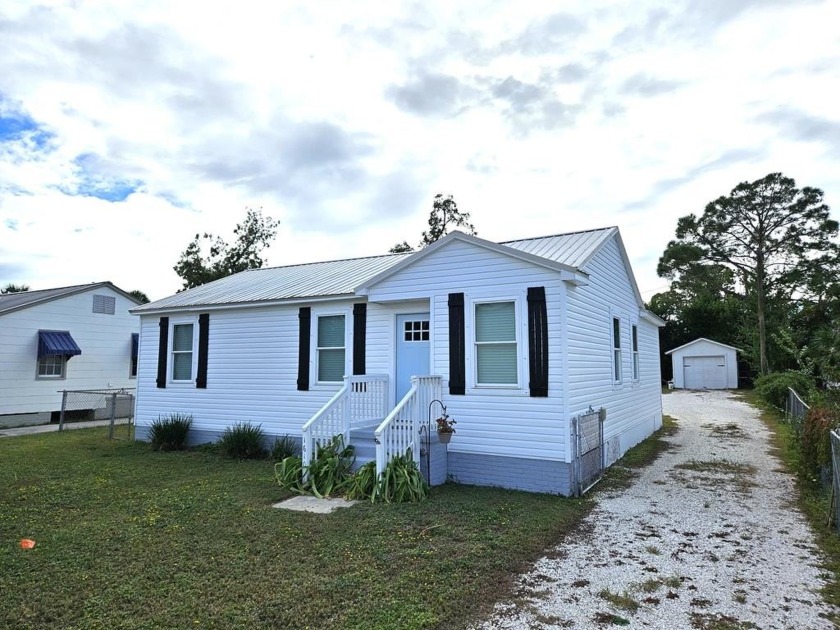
(413, 349)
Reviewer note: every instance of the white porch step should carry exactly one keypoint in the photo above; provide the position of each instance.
(364, 445)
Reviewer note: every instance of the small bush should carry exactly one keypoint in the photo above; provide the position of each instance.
(289, 474)
(363, 482)
(243, 441)
(284, 447)
(170, 432)
(815, 447)
(773, 388)
(329, 472)
(401, 482)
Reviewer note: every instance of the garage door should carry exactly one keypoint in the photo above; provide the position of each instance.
(704, 372)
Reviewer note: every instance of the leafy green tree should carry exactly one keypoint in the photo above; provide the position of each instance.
(443, 217)
(139, 296)
(14, 288)
(401, 248)
(252, 236)
(765, 232)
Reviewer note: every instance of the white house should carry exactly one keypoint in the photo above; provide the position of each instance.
(705, 364)
(515, 339)
(79, 337)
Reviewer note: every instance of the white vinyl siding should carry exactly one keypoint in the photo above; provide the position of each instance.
(182, 352)
(331, 348)
(51, 366)
(496, 356)
(502, 420)
(632, 412)
(106, 349)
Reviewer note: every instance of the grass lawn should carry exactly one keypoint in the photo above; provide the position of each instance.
(129, 538)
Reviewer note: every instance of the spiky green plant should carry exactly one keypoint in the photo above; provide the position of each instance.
(170, 433)
(243, 441)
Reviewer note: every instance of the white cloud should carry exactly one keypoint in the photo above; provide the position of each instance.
(343, 121)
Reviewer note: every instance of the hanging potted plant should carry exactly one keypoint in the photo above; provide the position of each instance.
(445, 428)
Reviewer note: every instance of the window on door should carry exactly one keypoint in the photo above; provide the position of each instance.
(417, 330)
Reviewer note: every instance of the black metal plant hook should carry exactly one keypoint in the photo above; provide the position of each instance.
(428, 429)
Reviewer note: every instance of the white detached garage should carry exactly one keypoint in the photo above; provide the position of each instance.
(705, 364)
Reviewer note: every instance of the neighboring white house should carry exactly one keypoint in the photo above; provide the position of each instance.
(516, 339)
(705, 364)
(79, 337)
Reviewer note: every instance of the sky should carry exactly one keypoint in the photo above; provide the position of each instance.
(126, 128)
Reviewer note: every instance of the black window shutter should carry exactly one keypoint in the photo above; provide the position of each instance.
(305, 319)
(163, 348)
(537, 342)
(203, 346)
(457, 364)
(359, 332)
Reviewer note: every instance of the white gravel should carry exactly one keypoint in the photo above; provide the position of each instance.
(711, 520)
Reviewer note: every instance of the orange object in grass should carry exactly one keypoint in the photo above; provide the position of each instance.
(27, 543)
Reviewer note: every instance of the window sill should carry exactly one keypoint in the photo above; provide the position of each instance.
(496, 390)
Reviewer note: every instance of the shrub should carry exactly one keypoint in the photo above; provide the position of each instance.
(363, 482)
(170, 432)
(289, 474)
(773, 388)
(815, 447)
(284, 447)
(243, 441)
(330, 470)
(401, 482)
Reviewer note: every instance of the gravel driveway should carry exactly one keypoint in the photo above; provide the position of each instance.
(705, 537)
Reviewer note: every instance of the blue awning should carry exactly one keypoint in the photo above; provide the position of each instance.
(135, 342)
(51, 342)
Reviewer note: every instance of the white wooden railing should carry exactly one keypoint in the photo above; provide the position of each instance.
(400, 430)
(363, 400)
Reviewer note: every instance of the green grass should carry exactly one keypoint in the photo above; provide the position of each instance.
(130, 538)
(812, 498)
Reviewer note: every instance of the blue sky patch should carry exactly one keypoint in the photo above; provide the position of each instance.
(92, 182)
(18, 126)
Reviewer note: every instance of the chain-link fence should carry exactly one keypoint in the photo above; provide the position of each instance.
(588, 463)
(795, 411)
(835, 479)
(112, 408)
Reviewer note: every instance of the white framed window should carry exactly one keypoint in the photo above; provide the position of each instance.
(52, 366)
(634, 346)
(182, 352)
(330, 348)
(496, 344)
(616, 353)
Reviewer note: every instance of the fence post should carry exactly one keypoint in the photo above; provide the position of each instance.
(63, 406)
(113, 414)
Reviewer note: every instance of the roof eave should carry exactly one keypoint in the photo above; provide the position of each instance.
(188, 308)
(699, 339)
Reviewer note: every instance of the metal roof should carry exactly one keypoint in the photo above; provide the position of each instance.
(342, 277)
(574, 248)
(24, 299)
(322, 279)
